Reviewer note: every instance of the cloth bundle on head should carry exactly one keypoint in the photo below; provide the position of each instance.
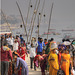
(53, 46)
(61, 46)
(67, 43)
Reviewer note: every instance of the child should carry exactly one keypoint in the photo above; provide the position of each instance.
(32, 55)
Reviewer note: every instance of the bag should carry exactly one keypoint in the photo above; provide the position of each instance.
(60, 72)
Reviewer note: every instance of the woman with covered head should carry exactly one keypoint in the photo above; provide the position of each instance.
(22, 51)
(53, 61)
(65, 61)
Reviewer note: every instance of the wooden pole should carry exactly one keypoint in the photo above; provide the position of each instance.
(40, 14)
(28, 12)
(21, 17)
(38, 25)
(34, 20)
(50, 19)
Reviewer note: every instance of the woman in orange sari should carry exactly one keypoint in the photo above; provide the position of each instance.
(53, 62)
(65, 64)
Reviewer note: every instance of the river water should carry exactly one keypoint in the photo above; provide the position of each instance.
(44, 28)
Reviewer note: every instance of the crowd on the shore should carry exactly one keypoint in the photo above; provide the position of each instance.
(50, 56)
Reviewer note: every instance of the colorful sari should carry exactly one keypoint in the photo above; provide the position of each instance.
(65, 63)
(54, 66)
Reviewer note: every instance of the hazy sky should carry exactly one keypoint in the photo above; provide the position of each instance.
(63, 11)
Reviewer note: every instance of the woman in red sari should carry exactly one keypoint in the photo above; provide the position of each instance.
(23, 51)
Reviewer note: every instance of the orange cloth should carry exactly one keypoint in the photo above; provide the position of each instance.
(66, 64)
(46, 43)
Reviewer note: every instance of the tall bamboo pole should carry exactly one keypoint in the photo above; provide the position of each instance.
(39, 18)
(6, 21)
(28, 12)
(21, 17)
(50, 19)
(34, 20)
(38, 25)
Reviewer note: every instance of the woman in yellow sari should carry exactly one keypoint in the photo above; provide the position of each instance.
(53, 63)
(65, 62)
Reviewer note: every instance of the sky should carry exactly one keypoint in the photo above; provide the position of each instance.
(63, 14)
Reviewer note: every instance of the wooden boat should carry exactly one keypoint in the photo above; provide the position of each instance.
(3, 33)
(69, 36)
(68, 30)
(47, 33)
(56, 33)
(52, 29)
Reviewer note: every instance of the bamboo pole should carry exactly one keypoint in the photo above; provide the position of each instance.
(38, 25)
(50, 19)
(34, 20)
(28, 12)
(39, 20)
(21, 17)
(6, 21)
(27, 17)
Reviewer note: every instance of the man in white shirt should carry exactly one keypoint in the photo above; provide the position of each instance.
(15, 45)
(10, 42)
(32, 55)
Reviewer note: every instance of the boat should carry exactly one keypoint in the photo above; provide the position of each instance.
(56, 33)
(3, 33)
(45, 33)
(52, 29)
(69, 36)
(68, 30)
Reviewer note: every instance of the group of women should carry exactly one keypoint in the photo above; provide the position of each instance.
(60, 59)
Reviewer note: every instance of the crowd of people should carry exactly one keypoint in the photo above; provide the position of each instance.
(50, 56)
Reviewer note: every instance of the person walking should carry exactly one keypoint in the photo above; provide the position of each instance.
(41, 45)
(6, 54)
(32, 56)
(11, 41)
(15, 45)
(65, 62)
(53, 61)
